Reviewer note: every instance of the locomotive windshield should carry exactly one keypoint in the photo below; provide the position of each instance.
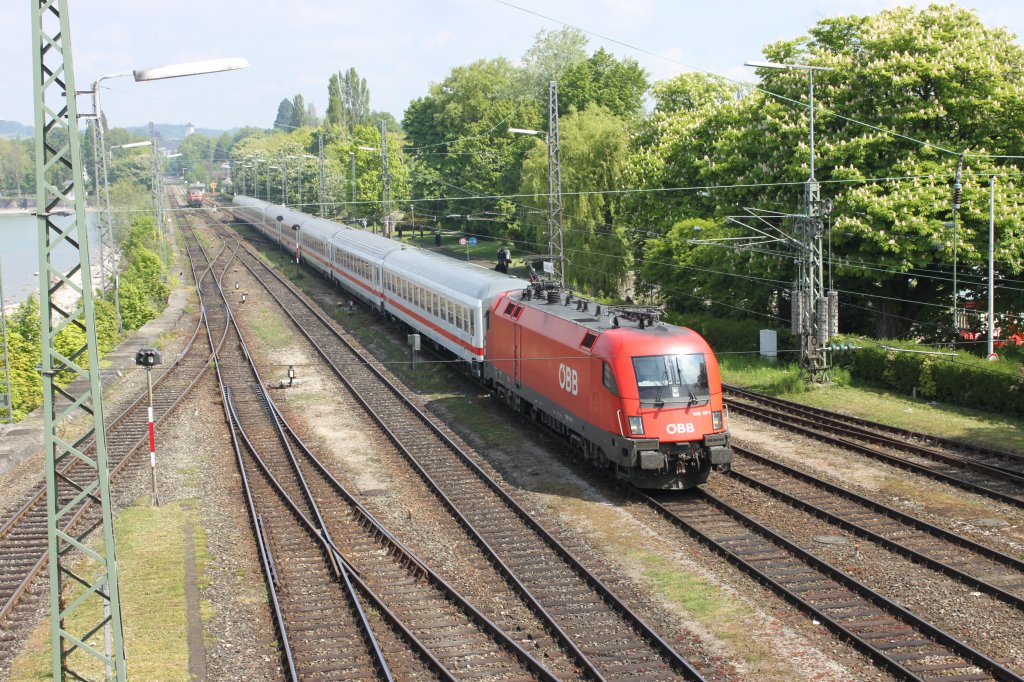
(676, 379)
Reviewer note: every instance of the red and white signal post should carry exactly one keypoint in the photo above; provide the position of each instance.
(150, 358)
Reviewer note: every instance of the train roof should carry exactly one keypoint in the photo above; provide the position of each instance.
(457, 275)
(322, 227)
(623, 320)
(289, 216)
(363, 243)
(245, 201)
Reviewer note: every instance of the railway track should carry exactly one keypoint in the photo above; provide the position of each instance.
(605, 637)
(23, 534)
(431, 632)
(976, 565)
(896, 639)
(991, 473)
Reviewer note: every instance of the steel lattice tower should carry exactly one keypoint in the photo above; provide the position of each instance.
(320, 160)
(84, 597)
(385, 179)
(555, 239)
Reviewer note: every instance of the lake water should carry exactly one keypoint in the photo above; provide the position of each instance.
(19, 254)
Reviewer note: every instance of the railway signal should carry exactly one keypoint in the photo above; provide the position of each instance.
(149, 358)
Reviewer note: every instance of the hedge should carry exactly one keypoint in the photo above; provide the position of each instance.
(963, 379)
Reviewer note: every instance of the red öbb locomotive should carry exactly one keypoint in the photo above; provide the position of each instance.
(635, 395)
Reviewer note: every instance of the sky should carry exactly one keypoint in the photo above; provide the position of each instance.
(399, 46)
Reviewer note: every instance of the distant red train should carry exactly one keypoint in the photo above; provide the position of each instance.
(195, 197)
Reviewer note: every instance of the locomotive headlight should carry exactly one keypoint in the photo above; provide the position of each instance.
(636, 426)
(716, 419)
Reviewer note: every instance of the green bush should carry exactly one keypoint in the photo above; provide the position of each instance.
(730, 336)
(143, 294)
(963, 379)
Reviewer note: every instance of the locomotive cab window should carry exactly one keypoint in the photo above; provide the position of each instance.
(588, 340)
(608, 378)
(672, 379)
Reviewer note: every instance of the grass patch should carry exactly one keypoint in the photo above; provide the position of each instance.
(489, 427)
(702, 600)
(870, 402)
(150, 557)
(271, 329)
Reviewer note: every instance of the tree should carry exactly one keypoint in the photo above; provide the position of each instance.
(594, 149)
(299, 113)
(618, 85)
(459, 133)
(285, 114)
(336, 114)
(937, 77)
(390, 121)
(356, 98)
(550, 56)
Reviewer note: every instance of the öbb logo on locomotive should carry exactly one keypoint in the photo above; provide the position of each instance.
(568, 379)
(635, 396)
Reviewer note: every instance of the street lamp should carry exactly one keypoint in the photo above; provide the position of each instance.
(269, 168)
(810, 100)
(352, 158)
(117, 277)
(256, 179)
(299, 174)
(554, 197)
(129, 145)
(140, 75)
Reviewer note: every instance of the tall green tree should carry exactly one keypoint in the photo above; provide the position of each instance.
(459, 134)
(355, 94)
(336, 114)
(551, 55)
(616, 84)
(299, 113)
(285, 114)
(594, 151)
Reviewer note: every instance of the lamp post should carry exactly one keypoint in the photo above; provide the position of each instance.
(117, 277)
(352, 161)
(284, 177)
(140, 75)
(957, 190)
(299, 179)
(554, 217)
(810, 290)
(352, 156)
(6, 401)
(256, 179)
(269, 168)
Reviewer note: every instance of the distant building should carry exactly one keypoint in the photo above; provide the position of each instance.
(189, 129)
